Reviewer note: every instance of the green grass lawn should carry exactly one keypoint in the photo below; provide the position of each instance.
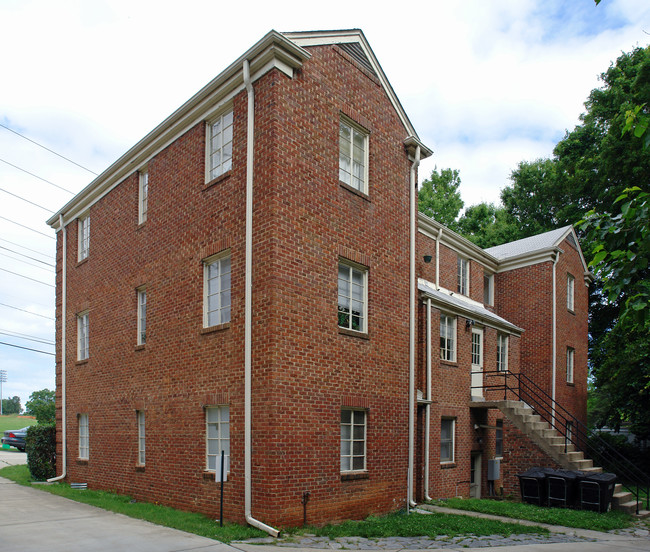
(580, 519)
(394, 525)
(13, 421)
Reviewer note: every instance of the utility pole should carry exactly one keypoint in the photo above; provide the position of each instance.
(3, 378)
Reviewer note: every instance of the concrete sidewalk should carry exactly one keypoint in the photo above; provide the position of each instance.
(36, 521)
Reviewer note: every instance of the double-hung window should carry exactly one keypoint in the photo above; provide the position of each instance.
(570, 357)
(353, 297)
(142, 316)
(447, 429)
(141, 439)
(216, 289)
(502, 352)
(463, 276)
(143, 196)
(217, 430)
(353, 440)
(84, 439)
(82, 336)
(570, 292)
(220, 145)
(447, 337)
(84, 237)
(353, 156)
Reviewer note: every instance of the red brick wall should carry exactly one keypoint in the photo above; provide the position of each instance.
(304, 368)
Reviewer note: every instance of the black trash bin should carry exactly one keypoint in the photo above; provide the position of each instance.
(532, 483)
(596, 491)
(562, 488)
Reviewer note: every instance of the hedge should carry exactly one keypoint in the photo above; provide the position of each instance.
(40, 445)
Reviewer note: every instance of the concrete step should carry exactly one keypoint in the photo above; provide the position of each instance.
(628, 507)
(643, 514)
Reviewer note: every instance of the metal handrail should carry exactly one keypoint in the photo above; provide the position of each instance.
(572, 429)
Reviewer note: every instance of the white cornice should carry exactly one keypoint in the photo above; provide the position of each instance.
(273, 51)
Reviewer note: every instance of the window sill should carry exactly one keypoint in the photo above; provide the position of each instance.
(570, 384)
(447, 465)
(354, 476)
(82, 462)
(82, 261)
(213, 329)
(141, 225)
(217, 180)
(81, 362)
(140, 347)
(448, 363)
(354, 333)
(571, 311)
(356, 192)
(139, 468)
(210, 476)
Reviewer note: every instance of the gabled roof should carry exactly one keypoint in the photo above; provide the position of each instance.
(540, 242)
(354, 42)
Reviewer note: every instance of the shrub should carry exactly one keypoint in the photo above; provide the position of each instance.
(40, 445)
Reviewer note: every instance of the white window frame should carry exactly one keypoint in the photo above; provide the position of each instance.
(83, 341)
(84, 437)
(462, 266)
(498, 439)
(219, 145)
(140, 415)
(451, 442)
(448, 347)
(477, 346)
(502, 352)
(349, 276)
(84, 237)
(218, 300)
(143, 196)
(570, 292)
(142, 315)
(353, 439)
(218, 438)
(489, 278)
(348, 153)
(570, 364)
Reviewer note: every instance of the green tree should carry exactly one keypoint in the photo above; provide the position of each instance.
(439, 197)
(41, 405)
(487, 224)
(11, 406)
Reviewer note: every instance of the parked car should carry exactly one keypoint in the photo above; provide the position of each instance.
(15, 438)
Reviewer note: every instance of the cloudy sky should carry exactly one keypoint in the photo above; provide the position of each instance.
(486, 85)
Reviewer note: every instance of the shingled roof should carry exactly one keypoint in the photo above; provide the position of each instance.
(541, 242)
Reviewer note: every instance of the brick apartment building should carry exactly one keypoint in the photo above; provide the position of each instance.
(254, 281)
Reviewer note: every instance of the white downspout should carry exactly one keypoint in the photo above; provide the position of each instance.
(554, 339)
(248, 487)
(427, 423)
(413, 289)
(64, 443)
(438, 258)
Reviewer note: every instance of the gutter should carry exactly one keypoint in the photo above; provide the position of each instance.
(64, 443)
(554, 337)
(412, 289)
(250, 135)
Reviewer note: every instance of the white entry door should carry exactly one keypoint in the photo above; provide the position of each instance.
(477, 362)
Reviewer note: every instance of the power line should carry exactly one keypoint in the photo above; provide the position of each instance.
(27, 256)
(27, 201)
(36, 176)
(26, 348)
(28, 249)
(48, 149)
(26, 337)
(28, 312)
(26, 277)
(26, 262)
(28, 228)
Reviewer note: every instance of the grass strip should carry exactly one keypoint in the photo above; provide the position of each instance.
(579, 519)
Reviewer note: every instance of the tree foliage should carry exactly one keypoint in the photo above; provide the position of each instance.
(439, 197)
(486, 225)
(41, 405)
(40, 445)
(12, 405)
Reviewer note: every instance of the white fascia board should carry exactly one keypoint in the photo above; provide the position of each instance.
(430, 228)
(322, 38)
(272, 51)
(529, 259)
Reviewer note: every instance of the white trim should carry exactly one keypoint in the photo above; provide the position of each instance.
(84, 437)
(221, 309)
(365, 134)
(140, 417)
(570, 364)
(351, 440)
(83, 327)
(141, 293)
(143, 195)
(454, 337)
(83, 237)
(502, 351)
(220, 117)
(363, 270)
(223, 421)
(570, 292)
(453, 440)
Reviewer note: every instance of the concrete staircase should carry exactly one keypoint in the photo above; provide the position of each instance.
(553, 444)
